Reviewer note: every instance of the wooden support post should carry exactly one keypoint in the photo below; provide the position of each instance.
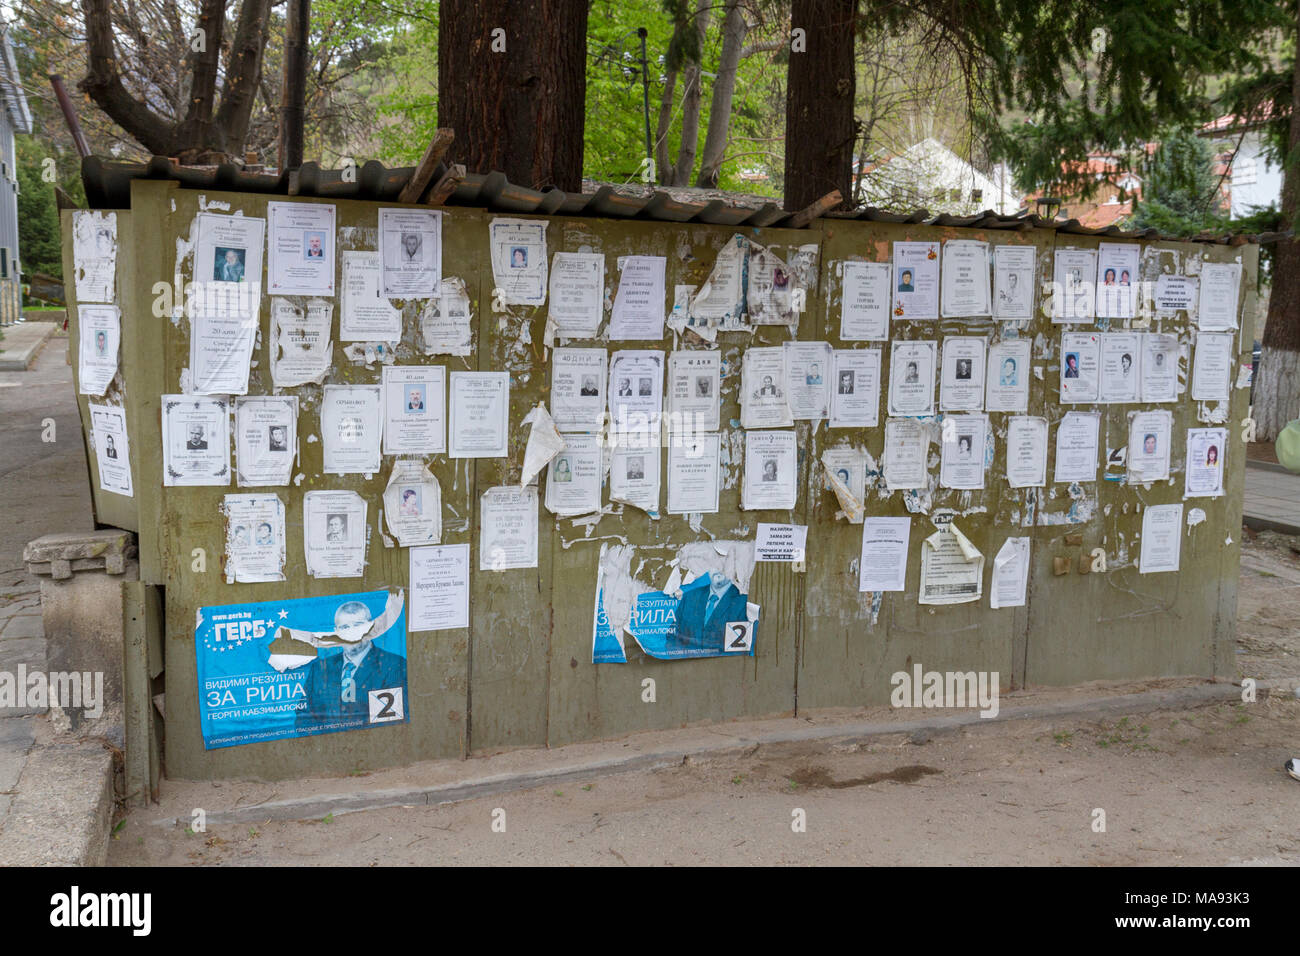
(815, 210)
(420, 179)
(446, 185)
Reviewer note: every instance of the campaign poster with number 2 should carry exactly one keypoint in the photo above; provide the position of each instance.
(300, 667)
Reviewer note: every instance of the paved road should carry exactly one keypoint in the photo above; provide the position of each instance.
(44, 488)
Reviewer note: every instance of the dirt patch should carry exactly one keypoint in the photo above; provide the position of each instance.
(819, 778)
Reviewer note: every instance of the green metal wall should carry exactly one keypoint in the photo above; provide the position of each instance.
(520, 675)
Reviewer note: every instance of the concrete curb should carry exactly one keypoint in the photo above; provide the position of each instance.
(1260, 523)
(319, 805)
(18, 358)
(1269, 466)
(62, 813)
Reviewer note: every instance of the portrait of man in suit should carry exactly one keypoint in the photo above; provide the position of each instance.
(196, 441)
(338, 685)
(705, 607)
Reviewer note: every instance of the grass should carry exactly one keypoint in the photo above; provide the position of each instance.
(1126, 734)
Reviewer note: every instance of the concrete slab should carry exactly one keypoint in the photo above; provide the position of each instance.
(22, 625)
(63, 810)
(22, 343)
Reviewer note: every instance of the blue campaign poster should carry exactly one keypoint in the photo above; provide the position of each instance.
(300, 667)
(711, 618)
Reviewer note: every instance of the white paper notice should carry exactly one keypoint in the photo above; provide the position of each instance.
(1162, 538)
(694, 391)
(962, 459)
(410, 245)
(634, 477)
(774, 294)
(518, 249)
(966, 278)
(694, 475)
(770, 463)
(577, 293)
(112, 448)
(636, 394)
(1076, 447)
(807, 372)
(721, 300)
(415, 400)
(882, 565)
(1007, 388)
(1175, 293)
(227, 266)
(907, 443)
(544, 443)
(916, 280)
(1159, 367)
(1010, 574)
(1205, 450)
(445, 320)
(1117, 278)
(1212, 370)
(479, 406)
(573, 477)
(1080, 367)
(952, 569)
(1220, 286)
(266, 439)
(439, 576)
(221, 352)
(1148, 446)
(334, 533)
(1074, 272)
(911, 377)
(254, 538)
(300, 248)
(855, 401)
(961, 386)
(578, 388)
(762, 389)
(1027, 452)
(301, 349)
(196, 440)
(1119, 379)
(508, 528)
(845, 472)
(367, 314)
(1013, 282)
(639, 302)
(99, 328)
(413, 504)
(351, 425)
(94, 254)
(781, 542)
(864, 309)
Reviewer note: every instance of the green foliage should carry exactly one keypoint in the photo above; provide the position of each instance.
(1093, 77)
(39, 245)
(1180, 190)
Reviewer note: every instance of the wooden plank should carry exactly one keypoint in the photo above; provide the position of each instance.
(429, 162)
(815, 210)
(446, 185)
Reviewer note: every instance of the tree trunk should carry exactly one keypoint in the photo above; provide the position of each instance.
(103, 84)
(243, 75)
(1277, 392)
(196, 127)
(734, 29)
(516, 98)
(293, 88)
(663, 166)
(819, 126)
(691, 97)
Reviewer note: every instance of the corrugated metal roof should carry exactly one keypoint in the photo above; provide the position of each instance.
(108, 186)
